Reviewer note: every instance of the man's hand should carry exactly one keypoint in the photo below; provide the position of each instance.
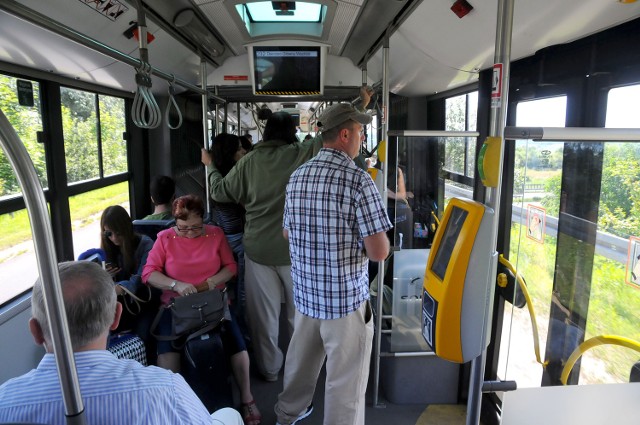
(365, 96)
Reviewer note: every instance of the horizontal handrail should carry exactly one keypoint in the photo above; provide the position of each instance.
(49, 24)
(569, 134)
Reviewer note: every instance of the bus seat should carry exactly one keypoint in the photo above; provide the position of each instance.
(151, 228)
(634, 376)
(96, 255)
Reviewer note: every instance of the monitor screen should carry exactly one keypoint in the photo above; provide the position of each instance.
(448, 241)
(287, 70)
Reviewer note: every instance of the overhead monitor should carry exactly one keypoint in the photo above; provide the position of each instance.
(287, 70)
(456, 287)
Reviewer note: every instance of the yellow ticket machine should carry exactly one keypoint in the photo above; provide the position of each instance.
(456, 289)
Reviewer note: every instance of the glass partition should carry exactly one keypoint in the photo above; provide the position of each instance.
(418, 188)
(588, 287)
(534, 224)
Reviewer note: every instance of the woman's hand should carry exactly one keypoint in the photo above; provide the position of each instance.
(185, 289)
(112, 269)
(213, 282)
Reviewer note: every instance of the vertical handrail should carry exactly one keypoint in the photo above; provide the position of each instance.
(383, 170)
(47, 267)
(205, 130)
(502, 55)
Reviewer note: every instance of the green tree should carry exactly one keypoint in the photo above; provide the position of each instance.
(551, 201)
(455, 146)
(112, 125)
(620, 194)
(26, 121)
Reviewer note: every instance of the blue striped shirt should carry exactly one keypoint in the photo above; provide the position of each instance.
(331, 206)
(114, 392)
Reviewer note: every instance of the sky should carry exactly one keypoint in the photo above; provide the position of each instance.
(623, 110)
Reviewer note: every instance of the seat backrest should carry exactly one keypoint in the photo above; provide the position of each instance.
(151, 228)
(634, 376)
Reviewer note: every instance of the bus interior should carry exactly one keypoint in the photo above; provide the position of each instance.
(106, 94)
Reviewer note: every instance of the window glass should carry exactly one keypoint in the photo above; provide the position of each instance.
(80, 128)
(472, 121)
(18, 264)
(461, 115)
(536, 200)
(86, 210)
(26, 121)
(112, 126)
(614, 304)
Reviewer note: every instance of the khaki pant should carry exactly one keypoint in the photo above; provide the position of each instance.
(266, 288)
(346, 344)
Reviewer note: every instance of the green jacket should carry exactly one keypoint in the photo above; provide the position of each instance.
(258, 182)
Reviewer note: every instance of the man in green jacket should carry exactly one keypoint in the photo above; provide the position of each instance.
(258, 182)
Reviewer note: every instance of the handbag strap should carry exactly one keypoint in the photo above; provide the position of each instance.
(134, 296)
(135, 300)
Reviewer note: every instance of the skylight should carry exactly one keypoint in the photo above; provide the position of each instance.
(263, 11)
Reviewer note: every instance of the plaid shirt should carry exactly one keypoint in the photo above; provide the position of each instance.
(331, 206)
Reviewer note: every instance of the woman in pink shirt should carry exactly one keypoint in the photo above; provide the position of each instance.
(188, 258)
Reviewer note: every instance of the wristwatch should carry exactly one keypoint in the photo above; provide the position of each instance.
(173, 285)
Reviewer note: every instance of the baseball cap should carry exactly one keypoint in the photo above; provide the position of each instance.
(337, 114)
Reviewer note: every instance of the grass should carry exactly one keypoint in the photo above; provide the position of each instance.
(84, 209)
(541, 176)
(613, 304)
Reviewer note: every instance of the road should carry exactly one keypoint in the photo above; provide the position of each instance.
(20, 269)
(607, 245)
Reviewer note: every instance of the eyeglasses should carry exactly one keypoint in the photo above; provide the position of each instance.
(108, 233)
(186, 229)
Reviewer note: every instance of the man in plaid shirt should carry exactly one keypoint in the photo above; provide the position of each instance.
(335, 221)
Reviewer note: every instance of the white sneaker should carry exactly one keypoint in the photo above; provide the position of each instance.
(302, 415)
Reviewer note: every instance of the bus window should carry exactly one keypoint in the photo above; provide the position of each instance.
(16, 248)
(17, 256)
(614, 303)
(461, 115)
(536, 196)
(112, 125)
(86, 210)
(93, 126)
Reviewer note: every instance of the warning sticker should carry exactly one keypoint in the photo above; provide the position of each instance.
(496, 86)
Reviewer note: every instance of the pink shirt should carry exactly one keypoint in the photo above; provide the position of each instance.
(188, 260)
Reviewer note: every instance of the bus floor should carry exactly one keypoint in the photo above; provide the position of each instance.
(385, 413)
(266, 394)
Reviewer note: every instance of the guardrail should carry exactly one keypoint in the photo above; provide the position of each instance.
(607, 245)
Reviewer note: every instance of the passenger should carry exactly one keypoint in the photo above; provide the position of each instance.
(126, 251)
(114, 391)
(258, 183)
(163, 190)
(308, 136)
(399, 210)
(227, 150)
(247, 143)
(192, 257)
(333, 207)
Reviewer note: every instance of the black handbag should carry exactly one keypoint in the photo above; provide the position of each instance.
(193, 315)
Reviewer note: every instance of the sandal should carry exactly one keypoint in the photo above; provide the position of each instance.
(250, 413)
